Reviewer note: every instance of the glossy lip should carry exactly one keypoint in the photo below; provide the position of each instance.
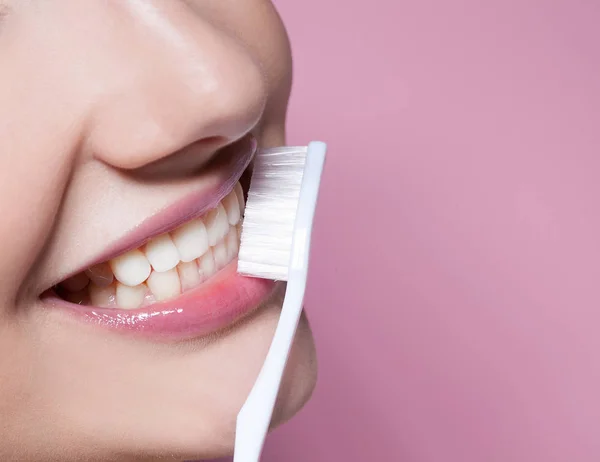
(212, 306)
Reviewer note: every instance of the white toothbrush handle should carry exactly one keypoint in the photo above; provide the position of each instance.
(254, 419)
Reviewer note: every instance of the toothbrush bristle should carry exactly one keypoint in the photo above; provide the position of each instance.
(270, 214)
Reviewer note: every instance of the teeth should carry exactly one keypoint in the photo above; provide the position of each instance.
(130, 298)
(101, 274)
(191, 240)
(232, 243)
(232, 207)
(131, 268)
(149, 299)
(102, 296)
(206, 265)
(76, 283)
(217, 225)
(220, 254)
(164, 285)
(188, 275)
(239, 192)
(167, 265)
(162, 253)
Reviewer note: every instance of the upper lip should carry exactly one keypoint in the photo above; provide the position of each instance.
(231, 163)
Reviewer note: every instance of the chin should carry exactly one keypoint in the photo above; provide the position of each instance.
(213, 435)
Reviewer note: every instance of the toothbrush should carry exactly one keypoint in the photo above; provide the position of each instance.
(275, 244)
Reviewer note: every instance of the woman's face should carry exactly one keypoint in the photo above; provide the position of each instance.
(120, 121)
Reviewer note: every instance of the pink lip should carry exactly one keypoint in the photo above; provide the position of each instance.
(213, 305)
(231, 163)
(219, 302)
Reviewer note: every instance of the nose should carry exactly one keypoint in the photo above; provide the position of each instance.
(163, 77)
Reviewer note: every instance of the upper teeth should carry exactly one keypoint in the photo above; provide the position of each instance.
(191, 240)
(162, 253)
(231, 204)
(168, 263)
(217, 225)
(131, 268)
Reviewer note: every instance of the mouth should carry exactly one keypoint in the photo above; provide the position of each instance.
(175, 275)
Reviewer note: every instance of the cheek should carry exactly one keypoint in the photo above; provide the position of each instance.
(38, 138)
(14, 387)
(30, 195)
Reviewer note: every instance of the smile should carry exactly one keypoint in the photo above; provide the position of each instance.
(181, 282)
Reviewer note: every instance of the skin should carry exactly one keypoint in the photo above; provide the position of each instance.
(99, 103)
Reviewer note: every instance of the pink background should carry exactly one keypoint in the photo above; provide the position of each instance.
(455, 286)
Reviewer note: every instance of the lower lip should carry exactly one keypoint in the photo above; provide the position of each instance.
(210, 307)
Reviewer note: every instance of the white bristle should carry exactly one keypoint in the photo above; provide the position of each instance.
(270, 214)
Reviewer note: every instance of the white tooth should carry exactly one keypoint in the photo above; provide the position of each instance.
(232, 207)
(149, 299)
(130, 298)
(191, 240)
(206, 265)
(76, 283)
(220, 254)
(162, 253)
(102, 296)
(233, 244)
(217, 225)
(240, 197)
(101, 274)
(164, 285)
(188, 275)
(131, 268)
